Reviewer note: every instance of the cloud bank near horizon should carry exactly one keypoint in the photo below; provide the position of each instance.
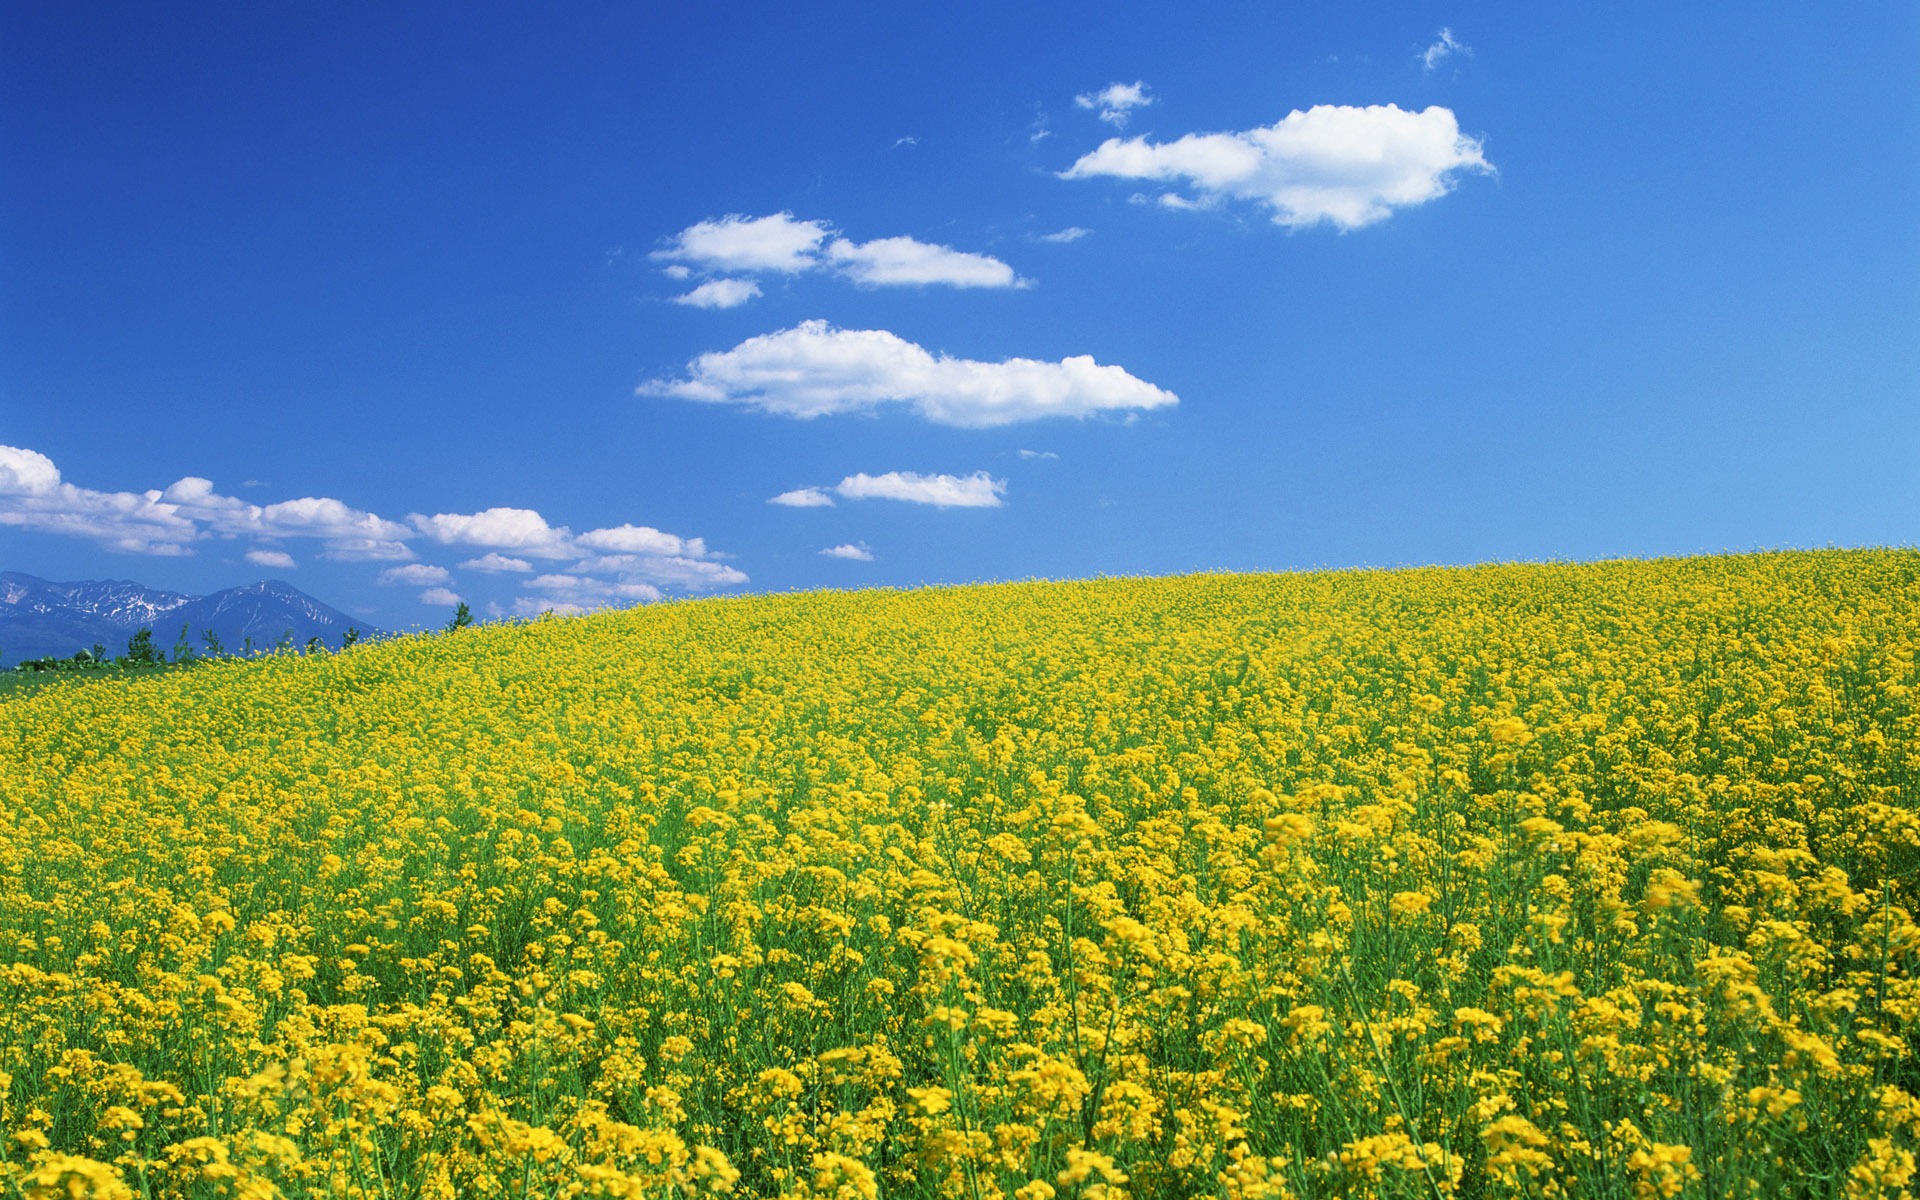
(172, 521)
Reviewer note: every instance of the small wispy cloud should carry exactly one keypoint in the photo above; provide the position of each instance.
(1115, 103)
(806, 497)
(720, 293)
(1444, 46)
(271, 558)
(415, 575)
(849, 551)
(978, 490)
(496, 563)
(1038, 454)
(1071, 233)
(734, 245)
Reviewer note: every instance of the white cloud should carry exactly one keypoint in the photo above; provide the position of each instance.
(579, 593)
(34, 496)
(535, 606)
(415, 575)
(1346, 165)
(904, 141)
(849, 551)
(814, 370)
(1046, 454)
(27, 473)
(1444, 46)
(694, 574)
(738, 243)
(367, 550)
(806, 497)
(309, 516)
(905, 261)
(319, 516)
(495, 563)
(978, 490)
(1115, 102)
(439, 596)
(667, 570)
(1071, 233)
(519, 529)
(641, 539)
(640, 559)
(720, 293)
(782, 243)
(1179, 203)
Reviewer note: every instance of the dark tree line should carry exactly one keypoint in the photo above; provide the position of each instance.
(143, 653)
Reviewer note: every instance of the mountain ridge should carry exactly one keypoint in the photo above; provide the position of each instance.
(41, 617)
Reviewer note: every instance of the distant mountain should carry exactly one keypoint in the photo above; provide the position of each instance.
(40, 618)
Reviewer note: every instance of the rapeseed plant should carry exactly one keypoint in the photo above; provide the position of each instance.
(1557, 881)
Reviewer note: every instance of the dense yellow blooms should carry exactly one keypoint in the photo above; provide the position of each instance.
(1554, 881)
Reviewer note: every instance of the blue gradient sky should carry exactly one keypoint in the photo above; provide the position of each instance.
(411, 259)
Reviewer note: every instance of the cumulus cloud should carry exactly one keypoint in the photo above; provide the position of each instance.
(902, 260)
(495, 563)
(854, 553)
(27, 473)
(815, 370)
(720, 293)
(737, 243)
(781, 243)
(978, 490)
(519, 529)
(641, 539)
(1340, 164)
(581, 593)
(1115, 102)
(806, 497)
(1444, 46)
(439, 596)
(307, 516)
(279, 559)
(415, 575)
(34, 496)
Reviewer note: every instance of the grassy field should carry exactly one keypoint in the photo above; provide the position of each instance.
(1559, 881)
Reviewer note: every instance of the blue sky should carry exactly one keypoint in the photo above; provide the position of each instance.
(595, 304)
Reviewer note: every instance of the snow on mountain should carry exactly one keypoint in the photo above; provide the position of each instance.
(39, 617)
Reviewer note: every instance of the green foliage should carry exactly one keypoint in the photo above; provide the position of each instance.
(140, 648)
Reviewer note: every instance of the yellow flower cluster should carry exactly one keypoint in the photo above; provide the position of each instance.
(1557, 881)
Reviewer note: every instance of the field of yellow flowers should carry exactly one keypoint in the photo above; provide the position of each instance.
(1559, 881)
